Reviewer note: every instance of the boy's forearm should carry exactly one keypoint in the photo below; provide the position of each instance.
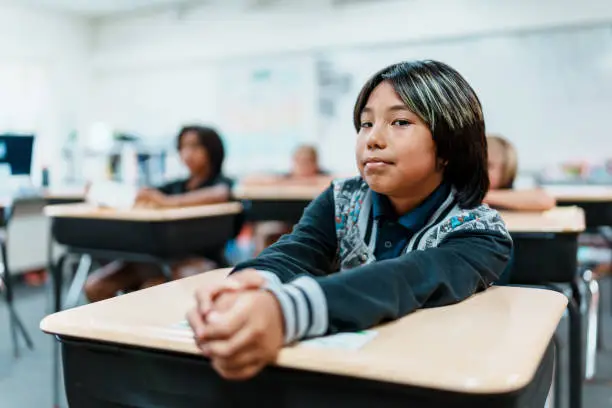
(363, 297)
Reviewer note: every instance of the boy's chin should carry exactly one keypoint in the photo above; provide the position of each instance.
(378, 184)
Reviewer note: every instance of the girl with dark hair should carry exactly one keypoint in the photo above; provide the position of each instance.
(410, 232)
(201, 150)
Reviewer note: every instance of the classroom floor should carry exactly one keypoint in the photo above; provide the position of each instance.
(26, 382)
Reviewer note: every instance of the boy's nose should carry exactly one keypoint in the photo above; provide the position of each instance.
(376, 139)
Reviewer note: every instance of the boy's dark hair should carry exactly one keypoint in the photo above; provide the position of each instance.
(210, 140)
(444, 100)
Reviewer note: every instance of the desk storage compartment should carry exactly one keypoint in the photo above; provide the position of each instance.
(100, 375)
(543, 258)
(289, 211)
(163, 239)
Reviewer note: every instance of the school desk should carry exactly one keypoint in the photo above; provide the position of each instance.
(545, 253)
(492, 350)
(277, 203)
(595, 200)
(65, 195)
(140, 234)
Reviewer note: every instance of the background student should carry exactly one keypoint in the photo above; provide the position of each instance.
(201, 150)
(502, 165)
(305, 170)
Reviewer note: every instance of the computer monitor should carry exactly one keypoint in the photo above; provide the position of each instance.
(16, 151)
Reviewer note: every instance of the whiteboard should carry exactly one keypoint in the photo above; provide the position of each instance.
(266, 108)
(549, 92)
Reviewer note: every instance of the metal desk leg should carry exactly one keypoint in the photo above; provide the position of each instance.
(56, 373)
(575, 351)
(57, 270)
(592, 324)
(556, 394)
(72, 299)
(575, 345)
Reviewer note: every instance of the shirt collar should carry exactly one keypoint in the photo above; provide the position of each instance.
(415, 218)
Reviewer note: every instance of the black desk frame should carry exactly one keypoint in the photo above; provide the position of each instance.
(532, 267)
(100, 374)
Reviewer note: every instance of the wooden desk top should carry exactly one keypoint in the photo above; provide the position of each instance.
(559, 219)
(580, 193)
(85, 210)
(491, 343)
(279, 192)
(57, 194)
(76, 193)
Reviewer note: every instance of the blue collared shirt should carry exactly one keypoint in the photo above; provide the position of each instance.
(394, 232)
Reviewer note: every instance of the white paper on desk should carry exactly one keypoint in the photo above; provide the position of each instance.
(344, 341)
(112, 194)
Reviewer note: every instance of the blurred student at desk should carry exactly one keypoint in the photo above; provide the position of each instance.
(305, 170)
(503, 164)
(201, 150)
(410, 232)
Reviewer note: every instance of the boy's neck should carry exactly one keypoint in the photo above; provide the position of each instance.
(405, 203)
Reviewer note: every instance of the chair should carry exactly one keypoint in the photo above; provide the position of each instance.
(23, 246)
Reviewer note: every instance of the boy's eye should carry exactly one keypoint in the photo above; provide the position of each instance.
(366, 124)
(400, 122)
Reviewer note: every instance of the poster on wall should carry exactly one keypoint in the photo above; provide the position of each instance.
(265, 110)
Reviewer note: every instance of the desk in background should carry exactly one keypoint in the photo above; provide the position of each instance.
(492, 350)
(66, 195)
(139, 235)
(277, 203)
(595, 200)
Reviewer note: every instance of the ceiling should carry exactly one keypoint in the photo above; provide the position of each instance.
(104, 8)
(100, 8)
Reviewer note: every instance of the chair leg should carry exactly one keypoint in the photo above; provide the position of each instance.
(592, 324)
(78, 282)
(14, 339)
(601, 343)
(15, 322)
(167, 271)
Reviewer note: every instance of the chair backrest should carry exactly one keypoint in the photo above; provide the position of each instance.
(27, 235)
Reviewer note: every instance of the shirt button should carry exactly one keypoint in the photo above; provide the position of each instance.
(388, 244)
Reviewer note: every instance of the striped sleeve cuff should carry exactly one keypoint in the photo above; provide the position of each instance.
(303, 304)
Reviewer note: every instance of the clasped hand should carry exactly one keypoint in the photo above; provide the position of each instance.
(237, 325)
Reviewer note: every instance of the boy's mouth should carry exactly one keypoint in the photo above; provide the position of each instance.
(376, 163)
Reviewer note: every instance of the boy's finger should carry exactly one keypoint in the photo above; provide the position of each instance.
(196, 322)
(236, 347)
(206, 296)
(221, 326)
(243, 373)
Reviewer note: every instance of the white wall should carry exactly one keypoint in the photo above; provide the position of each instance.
(148, 70)
(43, 77)
(204, 34)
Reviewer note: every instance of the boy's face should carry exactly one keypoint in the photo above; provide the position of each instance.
(396, 154)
